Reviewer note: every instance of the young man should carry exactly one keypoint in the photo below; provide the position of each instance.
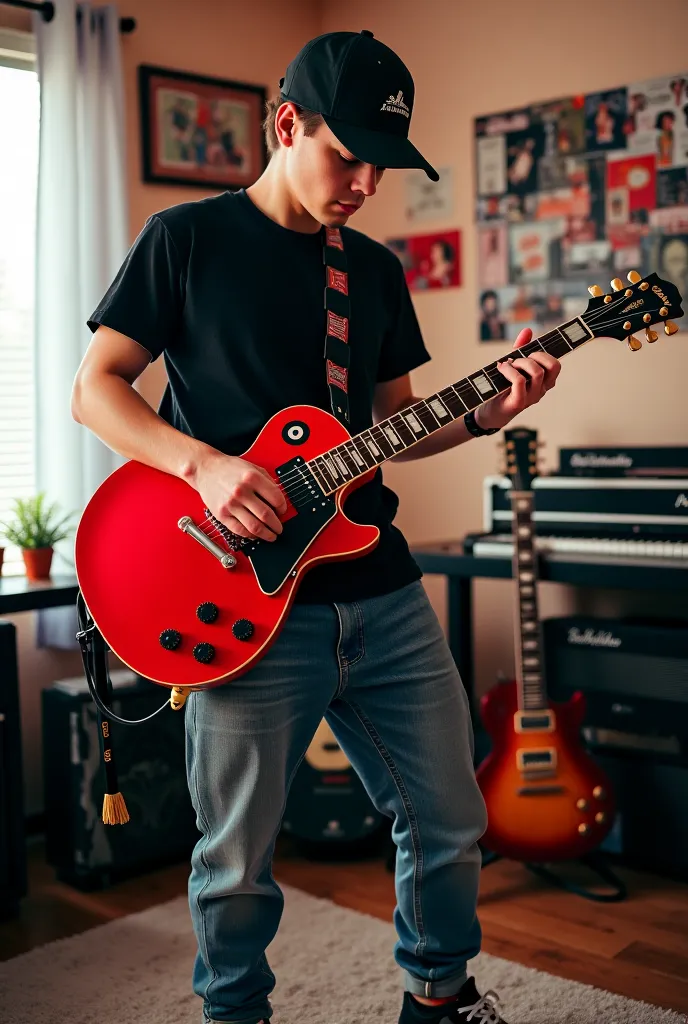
(230, 289)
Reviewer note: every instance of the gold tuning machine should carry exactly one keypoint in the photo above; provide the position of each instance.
(617, 284)
(634, 344)
(670, 327)
(650, 335)
(633, 276)
(595, 291)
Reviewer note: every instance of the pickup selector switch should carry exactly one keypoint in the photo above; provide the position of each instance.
(170, 639)
(207, 612)
(204, 653)
(243, 629)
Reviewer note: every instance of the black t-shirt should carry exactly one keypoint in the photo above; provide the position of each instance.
(234, 302)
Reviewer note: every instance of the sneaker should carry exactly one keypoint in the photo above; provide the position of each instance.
(469, 1005)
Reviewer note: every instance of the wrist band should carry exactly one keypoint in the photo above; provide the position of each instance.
(474, 428)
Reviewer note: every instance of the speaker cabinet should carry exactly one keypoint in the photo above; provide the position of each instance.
(150, 760)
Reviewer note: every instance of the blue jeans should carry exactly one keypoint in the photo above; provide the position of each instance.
(380, 671)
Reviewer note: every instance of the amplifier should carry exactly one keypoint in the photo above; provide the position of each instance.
(634, 676)
(151, 772)
(642, 460)
(13, 884)
(650, 828)
(635, 680)
(594, 507)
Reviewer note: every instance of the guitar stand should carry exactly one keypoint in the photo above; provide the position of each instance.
(596, 861)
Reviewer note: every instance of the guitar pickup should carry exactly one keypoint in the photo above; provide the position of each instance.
(537, 759)
(534, 721)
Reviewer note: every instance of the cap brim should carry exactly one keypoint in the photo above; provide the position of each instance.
(379, 148)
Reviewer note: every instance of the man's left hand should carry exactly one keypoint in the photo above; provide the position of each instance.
(542, 370)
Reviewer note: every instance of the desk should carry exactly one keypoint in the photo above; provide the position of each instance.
(448, 559)
(17, 594)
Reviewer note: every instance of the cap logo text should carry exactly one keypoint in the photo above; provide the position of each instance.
(396, 105)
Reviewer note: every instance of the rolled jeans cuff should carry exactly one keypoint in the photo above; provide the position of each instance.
(234, 1020)
(435, 989)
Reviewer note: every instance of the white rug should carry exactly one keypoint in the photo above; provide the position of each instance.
(333, 966)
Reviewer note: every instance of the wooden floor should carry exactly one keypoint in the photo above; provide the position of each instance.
(638, 948)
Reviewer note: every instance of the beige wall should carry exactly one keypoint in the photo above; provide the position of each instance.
(467, 58)
(472, 58)
(250, 42)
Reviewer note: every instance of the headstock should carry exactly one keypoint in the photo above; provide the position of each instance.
(645, 302)
(521, 446)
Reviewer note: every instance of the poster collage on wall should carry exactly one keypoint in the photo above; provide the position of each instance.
(574, 192)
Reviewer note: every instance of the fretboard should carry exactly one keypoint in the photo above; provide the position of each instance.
(532, 693)
(336, 467)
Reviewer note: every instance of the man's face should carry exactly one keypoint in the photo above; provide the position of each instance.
(322, 175)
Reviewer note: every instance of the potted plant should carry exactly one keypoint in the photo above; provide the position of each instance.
(36, 528)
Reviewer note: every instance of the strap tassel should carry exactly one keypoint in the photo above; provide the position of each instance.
(114, 809)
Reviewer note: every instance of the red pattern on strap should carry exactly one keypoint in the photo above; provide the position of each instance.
(333, 237)
(338, 279)
(338, 326)
(338, 375)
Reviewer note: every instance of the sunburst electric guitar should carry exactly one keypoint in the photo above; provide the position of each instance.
(547, 800)
(187, 604)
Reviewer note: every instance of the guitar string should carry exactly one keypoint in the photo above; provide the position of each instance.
(296, 474)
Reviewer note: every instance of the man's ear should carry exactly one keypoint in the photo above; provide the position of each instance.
(285, 124)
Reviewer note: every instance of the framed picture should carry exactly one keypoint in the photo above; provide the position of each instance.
(200, 131)
(429, 261)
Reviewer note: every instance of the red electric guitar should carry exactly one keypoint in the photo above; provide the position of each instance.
(547, 800)
(187, 604)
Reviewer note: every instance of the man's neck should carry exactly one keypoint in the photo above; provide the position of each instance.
(272, 197)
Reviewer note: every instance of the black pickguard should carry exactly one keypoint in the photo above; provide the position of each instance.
(274, 561)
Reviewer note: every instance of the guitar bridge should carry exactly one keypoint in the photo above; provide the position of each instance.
(234, 541)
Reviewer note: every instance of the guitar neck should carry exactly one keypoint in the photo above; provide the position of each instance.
(336, 467)
(530, 678)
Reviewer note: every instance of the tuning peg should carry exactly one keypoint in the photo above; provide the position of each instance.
(650, 335)
(617, 284)
(670, 327)
(664, 311)
(634, 344)
(595, 291)
(633, 276)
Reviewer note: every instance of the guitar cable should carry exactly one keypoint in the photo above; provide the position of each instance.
(94, 652)
(87, 637)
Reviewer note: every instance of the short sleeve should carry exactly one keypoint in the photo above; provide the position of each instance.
(146, 299)
(403, 348)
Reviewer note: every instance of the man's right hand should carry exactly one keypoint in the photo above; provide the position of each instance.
(241, 495)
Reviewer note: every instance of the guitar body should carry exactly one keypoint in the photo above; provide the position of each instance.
(141, 574)
(548, 815)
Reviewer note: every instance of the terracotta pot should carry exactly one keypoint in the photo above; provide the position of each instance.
(37, 562)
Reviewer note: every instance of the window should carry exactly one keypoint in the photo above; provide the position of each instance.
(19, 102)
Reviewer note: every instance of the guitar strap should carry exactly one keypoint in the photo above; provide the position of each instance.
(337, 306)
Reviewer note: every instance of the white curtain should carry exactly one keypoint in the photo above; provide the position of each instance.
(81, 240)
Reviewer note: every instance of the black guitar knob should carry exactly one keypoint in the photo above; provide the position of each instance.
(243, 629)
(204, 653)
(207, 612)
(170, 639)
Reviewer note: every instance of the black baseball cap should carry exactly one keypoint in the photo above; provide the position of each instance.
(364, 93)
